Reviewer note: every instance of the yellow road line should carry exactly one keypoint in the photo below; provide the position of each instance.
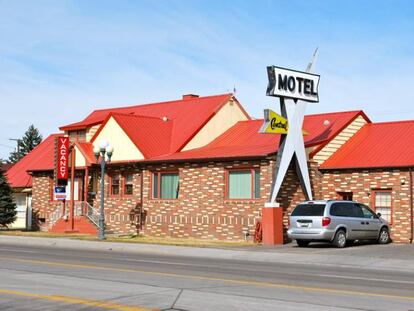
(207, 278)
(74, 300)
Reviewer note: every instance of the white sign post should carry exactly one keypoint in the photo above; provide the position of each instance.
(295, 89)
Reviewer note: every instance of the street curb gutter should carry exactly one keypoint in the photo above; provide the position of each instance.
(270, 256)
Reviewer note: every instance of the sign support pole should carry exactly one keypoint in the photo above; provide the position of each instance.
(72, 190)
(290, 146)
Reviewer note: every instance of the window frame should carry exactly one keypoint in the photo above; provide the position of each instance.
(159, 173)
(374, 207)
(110, 193)
(343, 194)
(252, 185)
(124, 184)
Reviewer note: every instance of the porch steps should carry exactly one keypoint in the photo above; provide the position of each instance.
(82, 225)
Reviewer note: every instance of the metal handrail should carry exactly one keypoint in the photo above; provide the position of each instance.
(81, 208)
(55, 215)
(90, 212)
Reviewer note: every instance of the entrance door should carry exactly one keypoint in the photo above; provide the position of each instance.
(21, 203)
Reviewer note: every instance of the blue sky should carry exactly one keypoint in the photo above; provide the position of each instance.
(59, 60)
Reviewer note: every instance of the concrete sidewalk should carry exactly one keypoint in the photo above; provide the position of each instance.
(392, 257)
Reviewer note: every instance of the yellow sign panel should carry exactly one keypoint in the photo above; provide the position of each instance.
(274, 123)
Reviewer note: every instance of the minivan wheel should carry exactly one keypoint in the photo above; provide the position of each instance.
(340, 239)
(302, 243)
(384, 236)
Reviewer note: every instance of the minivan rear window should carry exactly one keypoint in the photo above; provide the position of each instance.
(309, 210)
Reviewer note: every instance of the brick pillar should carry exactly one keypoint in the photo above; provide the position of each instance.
(272, 224)
(316, 179)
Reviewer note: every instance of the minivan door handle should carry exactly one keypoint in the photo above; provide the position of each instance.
(362, 222)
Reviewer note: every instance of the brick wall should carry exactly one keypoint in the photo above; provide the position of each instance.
(122, 212)
(362, 183)
(202, 209)
(42, 204)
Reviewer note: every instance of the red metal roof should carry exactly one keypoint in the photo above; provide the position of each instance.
(244, 139)
(87, 151)
(40, 158)
(388, 144)
(161, 140)
(152, 136)
(322, 127)
(189, 115)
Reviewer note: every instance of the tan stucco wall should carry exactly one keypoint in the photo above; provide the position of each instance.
(124, 148)
(225, 118)
(339, 140)
(79, 158)
(91, 131)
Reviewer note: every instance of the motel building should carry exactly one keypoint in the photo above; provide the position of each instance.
(198, 167)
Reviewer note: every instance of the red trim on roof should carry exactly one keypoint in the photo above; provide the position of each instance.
(100, 128)
(87, 151)
(231, 97)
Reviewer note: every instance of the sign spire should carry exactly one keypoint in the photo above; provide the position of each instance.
(293, 105)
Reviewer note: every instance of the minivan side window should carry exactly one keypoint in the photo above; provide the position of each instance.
(357, 211)
(367, 212)
(338, 209)
(346, 210)
(342, 209)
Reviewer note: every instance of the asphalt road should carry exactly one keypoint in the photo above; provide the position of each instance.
(43, 278)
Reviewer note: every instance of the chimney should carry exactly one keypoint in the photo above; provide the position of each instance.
(190, 96)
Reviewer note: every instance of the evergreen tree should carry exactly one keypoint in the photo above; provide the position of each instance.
(26, 144)
(7, 206)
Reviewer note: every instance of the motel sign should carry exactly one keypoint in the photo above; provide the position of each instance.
(292, 84)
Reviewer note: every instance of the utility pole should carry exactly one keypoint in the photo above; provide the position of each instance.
(17, 140)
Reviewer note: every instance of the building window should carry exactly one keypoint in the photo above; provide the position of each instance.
(128, 184)
(382, 204)
(165, 185)
(243, 184)
(77, 135)
(114, 189)
(346, 196)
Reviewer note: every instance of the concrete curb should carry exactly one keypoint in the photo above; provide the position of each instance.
(276, 255)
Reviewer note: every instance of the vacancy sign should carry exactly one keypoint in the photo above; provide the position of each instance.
(62, 157)
(292, 84)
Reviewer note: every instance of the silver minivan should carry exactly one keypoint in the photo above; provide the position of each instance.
(337, 222)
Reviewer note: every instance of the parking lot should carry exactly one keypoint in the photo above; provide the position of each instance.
(360, 249)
